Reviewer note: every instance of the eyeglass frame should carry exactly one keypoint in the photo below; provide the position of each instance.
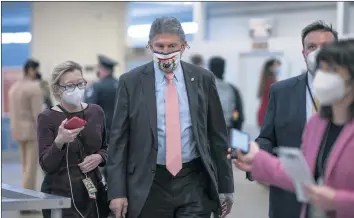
(65, 88)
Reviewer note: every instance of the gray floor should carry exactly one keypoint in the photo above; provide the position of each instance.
(251, 199)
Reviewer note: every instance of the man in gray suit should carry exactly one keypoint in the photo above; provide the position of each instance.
(168, 137)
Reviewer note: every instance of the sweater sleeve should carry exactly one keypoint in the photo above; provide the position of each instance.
(104, 146)
(50, 156)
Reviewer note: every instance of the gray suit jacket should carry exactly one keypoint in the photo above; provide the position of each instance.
(133, 146)
(283, 126)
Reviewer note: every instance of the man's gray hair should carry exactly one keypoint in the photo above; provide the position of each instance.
(166, 25)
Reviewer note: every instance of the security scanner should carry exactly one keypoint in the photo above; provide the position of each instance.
(18, 199)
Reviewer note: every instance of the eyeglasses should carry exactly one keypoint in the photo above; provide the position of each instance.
(71, 87)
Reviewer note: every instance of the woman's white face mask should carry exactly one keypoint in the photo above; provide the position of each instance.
(329, 87)
(74, 97)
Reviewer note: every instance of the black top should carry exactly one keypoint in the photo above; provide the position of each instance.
(329, 138)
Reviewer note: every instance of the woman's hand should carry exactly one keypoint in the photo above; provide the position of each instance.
(321, 196)
(90, 163)
(65, 135)
(244, 161)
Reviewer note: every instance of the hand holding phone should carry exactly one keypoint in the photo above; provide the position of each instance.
(239, 141)
(244, 160)
(75, 123)
(67, 131)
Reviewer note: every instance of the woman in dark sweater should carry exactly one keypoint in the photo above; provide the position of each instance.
(69, 156)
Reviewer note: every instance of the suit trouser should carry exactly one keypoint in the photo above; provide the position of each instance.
(29, 159)
(183, 196)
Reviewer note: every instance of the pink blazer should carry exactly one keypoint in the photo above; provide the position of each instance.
(339, 173)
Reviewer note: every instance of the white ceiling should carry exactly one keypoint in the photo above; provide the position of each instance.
(141, 9)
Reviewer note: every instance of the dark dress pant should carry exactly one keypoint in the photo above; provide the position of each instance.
(183, 196)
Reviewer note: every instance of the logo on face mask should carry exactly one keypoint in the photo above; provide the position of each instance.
(167, 62)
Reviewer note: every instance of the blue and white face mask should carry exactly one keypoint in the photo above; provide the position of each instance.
(277, 72)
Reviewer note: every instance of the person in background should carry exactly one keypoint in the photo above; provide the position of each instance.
(25, 103)
(327, 143)
(197, 60)
(270, 72)
(45, 91)
(290, 106)
(230, 97)
(69, 156)
(103, 92)
(168, 137)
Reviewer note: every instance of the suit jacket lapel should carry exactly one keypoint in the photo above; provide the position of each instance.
(344, 137)
(301, 100)
(147, 80)
(191, 81)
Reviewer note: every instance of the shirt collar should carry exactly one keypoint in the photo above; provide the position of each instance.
(160, 75)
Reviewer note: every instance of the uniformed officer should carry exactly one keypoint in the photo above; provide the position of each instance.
(103, 92)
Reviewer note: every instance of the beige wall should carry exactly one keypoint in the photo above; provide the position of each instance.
(78, 31)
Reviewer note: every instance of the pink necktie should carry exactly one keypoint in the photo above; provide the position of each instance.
(173, 131)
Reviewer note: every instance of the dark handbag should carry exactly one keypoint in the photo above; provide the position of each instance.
(101, 195)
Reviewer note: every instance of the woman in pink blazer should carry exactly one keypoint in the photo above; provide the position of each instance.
(328, 140)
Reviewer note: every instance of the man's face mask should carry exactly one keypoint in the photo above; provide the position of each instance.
(311, 61)
(167, 62)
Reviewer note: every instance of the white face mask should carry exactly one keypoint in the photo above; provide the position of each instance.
(74, 97)
(329, 87)
(311, 61)
(167, 62)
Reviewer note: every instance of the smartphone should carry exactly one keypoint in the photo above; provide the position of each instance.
(75, 123)
(240, 140)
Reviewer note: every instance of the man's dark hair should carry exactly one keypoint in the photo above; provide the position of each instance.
(197, 59)
(340, 53)
(318, 26)
(217, 66)
(30, 64)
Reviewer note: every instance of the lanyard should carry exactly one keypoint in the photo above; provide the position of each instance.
(308, 88)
